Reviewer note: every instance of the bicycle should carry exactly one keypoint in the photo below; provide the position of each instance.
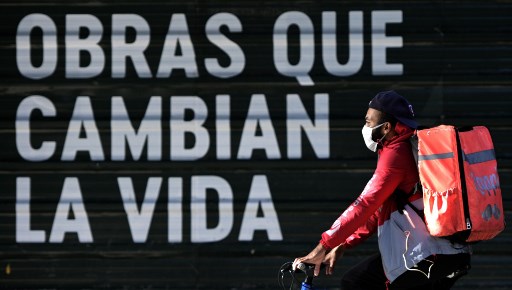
(306, 269)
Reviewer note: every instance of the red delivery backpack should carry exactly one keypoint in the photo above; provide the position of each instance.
(461, 188)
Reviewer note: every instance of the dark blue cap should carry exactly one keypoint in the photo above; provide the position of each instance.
(395, 105)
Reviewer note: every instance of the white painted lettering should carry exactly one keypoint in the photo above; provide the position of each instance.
(75, 45)
(121, 50)
(71, 201)
(381, 42)
(330, 44)
(149, 132)
(178, 35)
(200, 233)
(24, 47)
(233, 50)
(301, 70)
(23, 132)
(258, 115)
(24, 232)
(317, 132)
(139, 221)
(260, 198)
(175, 210)
(83, 117)
(179, 126)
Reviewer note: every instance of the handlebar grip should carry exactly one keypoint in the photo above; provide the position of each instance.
(305, 267)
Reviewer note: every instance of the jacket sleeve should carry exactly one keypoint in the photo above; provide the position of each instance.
(359, 220)
(363, 232)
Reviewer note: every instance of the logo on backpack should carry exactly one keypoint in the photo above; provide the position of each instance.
(491, 211)
(486, 184)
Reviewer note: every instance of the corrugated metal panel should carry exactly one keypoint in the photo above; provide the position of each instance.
(456, 70)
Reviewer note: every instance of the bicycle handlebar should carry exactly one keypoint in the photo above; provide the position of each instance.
(305, 268)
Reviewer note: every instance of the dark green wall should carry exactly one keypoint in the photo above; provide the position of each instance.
(456, 69)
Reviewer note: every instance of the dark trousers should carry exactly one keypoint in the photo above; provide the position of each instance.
(369, 274)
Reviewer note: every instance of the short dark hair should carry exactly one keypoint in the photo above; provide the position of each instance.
(384, 117)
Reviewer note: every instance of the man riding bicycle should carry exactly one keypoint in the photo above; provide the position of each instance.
(409, 257)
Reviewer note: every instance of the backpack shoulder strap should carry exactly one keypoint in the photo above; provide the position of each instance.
(402, 199)
(414, 146)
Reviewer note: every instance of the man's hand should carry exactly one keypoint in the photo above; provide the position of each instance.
(331, 258)
(315, 257)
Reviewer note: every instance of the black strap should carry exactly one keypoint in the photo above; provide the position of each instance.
(402, 199)
(420, 213)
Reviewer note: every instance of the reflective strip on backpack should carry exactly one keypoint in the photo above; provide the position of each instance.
(480, 156)
(435, 156)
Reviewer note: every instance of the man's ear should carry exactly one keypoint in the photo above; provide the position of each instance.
(387, 127)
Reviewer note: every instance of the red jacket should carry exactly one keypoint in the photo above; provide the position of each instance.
(396, 168)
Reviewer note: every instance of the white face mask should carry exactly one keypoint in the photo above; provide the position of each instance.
(367, 136)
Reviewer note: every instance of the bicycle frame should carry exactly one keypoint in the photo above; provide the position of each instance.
(305, 286)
